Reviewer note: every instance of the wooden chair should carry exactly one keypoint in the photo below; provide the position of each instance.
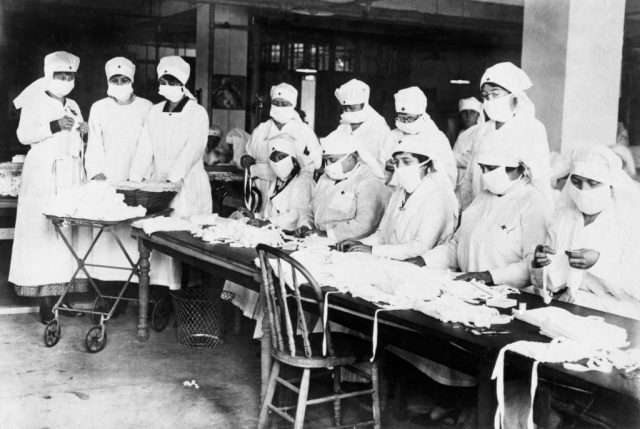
(284, 308)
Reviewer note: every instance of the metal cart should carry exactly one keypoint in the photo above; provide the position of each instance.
(104, 305)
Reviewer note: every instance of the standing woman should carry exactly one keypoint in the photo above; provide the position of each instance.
(51, 124)
(170, 148)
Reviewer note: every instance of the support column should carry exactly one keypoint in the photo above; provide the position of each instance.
(572, 50)
(204, 51)
(230, 56)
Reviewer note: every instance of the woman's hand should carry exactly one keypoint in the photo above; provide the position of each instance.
(258, 223)
(83, 127)
(247, 161)
(345, 245)
(540, 258)
(582, 259)
(66, 123)
(418, 260)
(360, 248)
(483, 276)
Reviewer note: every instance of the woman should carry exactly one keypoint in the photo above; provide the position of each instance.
(288, 198)
(349, 200)
(115, 123)
(422, 211)
(511, 117)
(51, 124)
(591, 253)
(500, 229)
(170, 148)
(472, 116)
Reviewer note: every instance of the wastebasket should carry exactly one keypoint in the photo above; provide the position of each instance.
(200, 316)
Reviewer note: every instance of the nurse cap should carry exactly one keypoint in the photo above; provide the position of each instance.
(596, 162)
(60, 61)
(282, 143)
(497, 151)
(411, 100)
(120, 65)
(176, 67)
(339, 143)
(417, 144)
(508, 76)
(353, 92)
(215, 131)
(285, 92)
(470, 103)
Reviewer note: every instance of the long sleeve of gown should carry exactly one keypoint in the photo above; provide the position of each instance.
(444, 256)
(95, 155)
(34, 126)
(192, 151)
(369, 210)
(143, 156)
(311, 144)
(539, 162)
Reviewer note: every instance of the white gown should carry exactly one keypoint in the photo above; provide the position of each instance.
(113, 133)
(462, 151)
(434, 138)
(427, 218)
(530, 139)
(41, 264)
(371, 135)
(350, 208)
(171, 147)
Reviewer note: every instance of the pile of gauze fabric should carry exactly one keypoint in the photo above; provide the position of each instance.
(95, 200)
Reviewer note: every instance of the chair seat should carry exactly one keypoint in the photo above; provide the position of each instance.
(348, 350)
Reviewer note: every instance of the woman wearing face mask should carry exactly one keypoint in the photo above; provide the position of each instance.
(412, 119)
(51, 124)
(421, 212)
(170, 148)
(500, 229)
(284, 120)
(591, 253)
(349, 200)
(512, 117)
(360, 120)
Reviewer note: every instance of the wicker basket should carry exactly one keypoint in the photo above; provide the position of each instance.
(152, 201)
(200, 314)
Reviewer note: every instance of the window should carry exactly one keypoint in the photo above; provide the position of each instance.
(344, 59)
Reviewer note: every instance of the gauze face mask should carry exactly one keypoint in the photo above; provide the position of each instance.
(282, 114)
(171, 93)
(497, 181)
(409, 176)
(120, 92)
(499, 109)
(591, 201)
(335, 170)
(412, 127)
(282, 168)
(60, 88)
(357, 117)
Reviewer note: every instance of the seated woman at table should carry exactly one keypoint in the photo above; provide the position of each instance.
(349, 200)
(422, 211)
(500, 229)
(591, 251)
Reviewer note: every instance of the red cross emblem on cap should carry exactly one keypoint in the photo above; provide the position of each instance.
(119, 66)
(403, 109)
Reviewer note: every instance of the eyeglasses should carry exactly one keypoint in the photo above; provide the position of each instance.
(407, 119)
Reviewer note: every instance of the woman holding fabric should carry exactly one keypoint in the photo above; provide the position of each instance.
(284, 120)
(348, 200)
(511, 117)
(591, 254)
(51, 124)
(170, 148)
(422, 211)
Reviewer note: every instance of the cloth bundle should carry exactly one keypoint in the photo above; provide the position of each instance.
(95, 200)
(450, 309)
(238, 234)
(165, 223)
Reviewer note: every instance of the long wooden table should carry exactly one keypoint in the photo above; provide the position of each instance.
(447, 343)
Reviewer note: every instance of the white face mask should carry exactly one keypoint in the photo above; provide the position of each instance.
(412, 127)
(282, 114)
(282, 168)
(120, 92)
(171, 93)
(590, 201)
(61, 88)
(409, 176)
(497, 181)
(354, 117)
(335, 170)
(499, 109)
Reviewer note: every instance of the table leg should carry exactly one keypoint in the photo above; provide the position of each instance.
(265, 345)
(143, 291)
(487, 402)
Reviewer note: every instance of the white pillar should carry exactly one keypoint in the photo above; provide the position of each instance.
(572, 50)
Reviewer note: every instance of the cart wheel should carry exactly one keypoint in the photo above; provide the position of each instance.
(102, 305)
(96, 339)
(52, 333)
(160, 315)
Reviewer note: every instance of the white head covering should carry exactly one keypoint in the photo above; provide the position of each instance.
(507, 75)
(59, 61)
(215, 131)
(339, 143)
(596, 162)
(120, 65)
(559, 167)
(282, 143)
(495, 150)
(176, 67)
(286, 92)
(470, 103)
(415, 143)
(411, 100)
(353, 92)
